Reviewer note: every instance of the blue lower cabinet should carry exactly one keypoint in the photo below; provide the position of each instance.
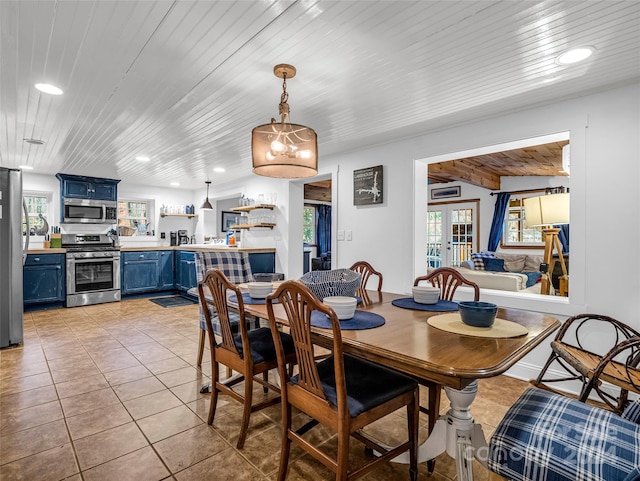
(167, 270)
(44, 279)
(262, 262)
(185, 270)
(147, 271)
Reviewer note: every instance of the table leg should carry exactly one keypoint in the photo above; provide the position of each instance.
(456, 433)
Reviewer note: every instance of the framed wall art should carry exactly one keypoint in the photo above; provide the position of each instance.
(228, 219)
(367, 186)
(445, 192)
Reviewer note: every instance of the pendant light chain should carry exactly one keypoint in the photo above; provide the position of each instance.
(284, 106)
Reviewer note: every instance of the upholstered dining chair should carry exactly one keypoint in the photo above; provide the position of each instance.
(448, 280)
(590, 349)
(342, 392)
(250, 353)
(367, 271)
(236, 267)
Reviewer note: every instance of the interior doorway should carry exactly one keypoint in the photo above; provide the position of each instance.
(317, 224)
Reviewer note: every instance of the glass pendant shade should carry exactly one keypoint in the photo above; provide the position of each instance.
(284, 150)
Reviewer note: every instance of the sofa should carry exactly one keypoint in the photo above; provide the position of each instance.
(503, 271)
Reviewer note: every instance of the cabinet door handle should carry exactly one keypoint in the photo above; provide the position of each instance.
(36, 259)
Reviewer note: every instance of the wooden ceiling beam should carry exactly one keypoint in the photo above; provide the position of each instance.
(464, 171)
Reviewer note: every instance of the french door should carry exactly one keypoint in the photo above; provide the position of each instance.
(451, 233)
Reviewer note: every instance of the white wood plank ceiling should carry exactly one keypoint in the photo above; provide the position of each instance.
(184, 82)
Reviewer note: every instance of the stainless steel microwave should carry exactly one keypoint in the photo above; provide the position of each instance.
(90, 211)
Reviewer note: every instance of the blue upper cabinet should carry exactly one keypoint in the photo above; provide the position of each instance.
(83, 187)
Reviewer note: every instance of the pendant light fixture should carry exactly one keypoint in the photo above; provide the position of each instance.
(207, 204)
(281, 149)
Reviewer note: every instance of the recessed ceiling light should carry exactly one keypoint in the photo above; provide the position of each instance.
(49, 89)
(175, 184)
(219, 169)
(143, 158)
(574, 55)
(25, 167)
(34, 141)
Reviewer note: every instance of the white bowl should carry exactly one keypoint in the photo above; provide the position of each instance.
(426, 294)
(344, 307)
(259, 290)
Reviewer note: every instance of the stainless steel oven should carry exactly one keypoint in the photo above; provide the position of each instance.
(93, 269)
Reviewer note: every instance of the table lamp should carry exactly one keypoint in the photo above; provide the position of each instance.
(547, 211)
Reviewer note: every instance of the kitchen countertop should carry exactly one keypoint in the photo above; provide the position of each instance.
(185, 247)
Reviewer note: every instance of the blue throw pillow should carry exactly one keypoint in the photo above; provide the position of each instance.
(532, 277)
(493, 264)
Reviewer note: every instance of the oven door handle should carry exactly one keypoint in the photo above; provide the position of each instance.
(85, 260)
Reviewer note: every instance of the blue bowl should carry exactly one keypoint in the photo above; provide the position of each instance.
(477, 314)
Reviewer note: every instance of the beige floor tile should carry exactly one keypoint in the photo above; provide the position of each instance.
(32, 441)
(30, 417)
(127, 375)
(22, 384)
(165, 365)
(93, 422)
(167, 423)
(114, 359)
(180, 376)
(81, 385)
(140, 387)
(24, 370)
(226, 465)
(190, 447)
(190, 391)
(89, 401)
(72, 373)
(110, 444)
(150, 404)
(140, 465)
(51, 465)
(25, 399)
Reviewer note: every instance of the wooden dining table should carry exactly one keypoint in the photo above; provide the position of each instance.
(408, 343)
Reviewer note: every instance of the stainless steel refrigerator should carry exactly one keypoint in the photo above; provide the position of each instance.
(12, 256)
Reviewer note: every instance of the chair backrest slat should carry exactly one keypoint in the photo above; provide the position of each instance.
(448, 280)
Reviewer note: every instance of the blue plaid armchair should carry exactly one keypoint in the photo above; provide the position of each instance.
(546, 436)
(236, 267)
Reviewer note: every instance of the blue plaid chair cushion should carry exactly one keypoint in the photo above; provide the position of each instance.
(632, 412)
(235, 265)
(545, 436)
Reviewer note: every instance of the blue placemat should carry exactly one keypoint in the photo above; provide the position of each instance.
(440, 306)
(360, 320)
(247, 299)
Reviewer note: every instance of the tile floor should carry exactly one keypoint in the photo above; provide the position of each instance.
(111, 392)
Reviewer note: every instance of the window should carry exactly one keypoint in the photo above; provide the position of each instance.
(38, 211)
(309, 224)
(133, 217)
(515, 231)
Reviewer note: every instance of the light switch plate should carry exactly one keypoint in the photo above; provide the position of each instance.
(341, 235)
(349, 235)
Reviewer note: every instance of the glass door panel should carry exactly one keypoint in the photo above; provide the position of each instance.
(451, 236)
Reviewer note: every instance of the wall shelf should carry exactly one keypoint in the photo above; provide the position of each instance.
(249, 208)
(250, 226)
(179, 215)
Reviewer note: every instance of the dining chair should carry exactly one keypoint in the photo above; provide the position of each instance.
(367, 271)
(581, 353)
(448, 280)
(250, 353)
(341, 392)
(236, 267)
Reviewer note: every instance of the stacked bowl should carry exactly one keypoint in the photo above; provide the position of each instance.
(425, 294)
(344, 306)
(259, 290)
(477, 314)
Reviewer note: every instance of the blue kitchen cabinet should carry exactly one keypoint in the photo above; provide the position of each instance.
(262, 262)
(147, 271)
(166, 268)
(84, 187)
(44, 279)
(185, 270)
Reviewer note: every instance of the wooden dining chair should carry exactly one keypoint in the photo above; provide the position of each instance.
(342, 392)
(448, 280)
(590, 349)
(366, 271)
(250, 352)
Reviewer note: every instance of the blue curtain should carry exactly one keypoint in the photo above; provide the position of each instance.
(497, 224)
(323, 228)
(563, 235)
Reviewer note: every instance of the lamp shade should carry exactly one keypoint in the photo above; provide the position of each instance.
(284, 150)
(206, 205)
(546, 210)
